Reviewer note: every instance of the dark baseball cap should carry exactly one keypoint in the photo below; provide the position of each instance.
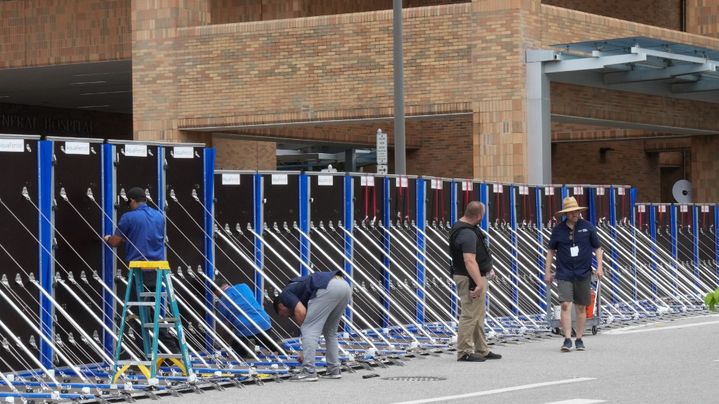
(136, 193)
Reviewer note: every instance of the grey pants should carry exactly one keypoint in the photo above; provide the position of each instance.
(324, 312)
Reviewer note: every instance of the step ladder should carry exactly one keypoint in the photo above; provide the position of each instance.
(149, 367)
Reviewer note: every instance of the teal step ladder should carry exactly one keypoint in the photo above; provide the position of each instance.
(154, 360)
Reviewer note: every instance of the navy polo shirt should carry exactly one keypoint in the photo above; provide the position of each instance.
(143, 229)
(304, 288)
(563, 239)
(250, 311)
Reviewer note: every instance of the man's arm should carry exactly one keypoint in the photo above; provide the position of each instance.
(113, 240)
(600, 254)
(470, 262)
(300, 313)
(548, 277)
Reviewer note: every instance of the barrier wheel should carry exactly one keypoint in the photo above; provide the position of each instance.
(594, 330)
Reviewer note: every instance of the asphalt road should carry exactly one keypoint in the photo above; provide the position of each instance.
(665, 362)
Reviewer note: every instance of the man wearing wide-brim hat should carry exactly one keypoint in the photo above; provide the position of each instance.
(573, 240)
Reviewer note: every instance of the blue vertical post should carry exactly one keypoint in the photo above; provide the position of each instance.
(541, 288)
(565, 192)
(108, 258)
(673, 229)
(515, 256)
(258, 224)
(484, 224)
(304, 223)
(633, 219)
(614, 268)
(653, 235)
(348, 220)
(695, 246)
(386, 277)
(420, 207)
(161, 184)
(45, 264)
(209, 225)
(592, 204)
(716, 243)
(454, 304)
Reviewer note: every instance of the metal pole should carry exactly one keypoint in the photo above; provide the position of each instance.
(400, 164)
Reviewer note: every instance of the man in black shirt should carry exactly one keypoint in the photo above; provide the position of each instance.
(471, 264)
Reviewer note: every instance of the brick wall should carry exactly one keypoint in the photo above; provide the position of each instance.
(702, 17)
(42, 32)
(661, 13)
(581, 163)
(238, 154)
(229, 11)
(705, 168)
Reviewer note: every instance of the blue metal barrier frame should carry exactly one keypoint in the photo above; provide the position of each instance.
(514, 265)
(386, 277)
(420, 212)
(633, 221)
(675, 245)
(45, 236)
(258, 210)
(108, 258)
(208, 198)
(541, 258)
(614, 268)
(653, 246)
(348, 220)
(304, 224)
(716, 243)
(454, 303)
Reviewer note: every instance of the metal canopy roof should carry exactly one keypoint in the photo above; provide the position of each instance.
(636, 64)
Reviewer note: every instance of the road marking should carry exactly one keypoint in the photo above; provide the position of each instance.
(655, 327)
(498, 391)
(578, 401)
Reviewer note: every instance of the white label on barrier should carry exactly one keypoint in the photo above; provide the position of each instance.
(600, 191)
(683, 208)
(325, 180)
(77, 148)
(183, 152)
(12, 145)
(230, 179)
(367, 181)
(136, 150)
(497, 188)
(661, 208)
(523, 190)
(705, 208)
(578, 191)
(466, 186)
(401, 182)
(548, 191)
(435, 184)
(279, 179)
(620, 191)
(641, 208)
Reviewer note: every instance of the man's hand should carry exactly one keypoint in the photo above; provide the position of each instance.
(491, 275)
(548, 278)
(475, 293)
(600, 273)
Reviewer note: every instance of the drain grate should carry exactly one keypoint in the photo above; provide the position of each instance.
(415, 378)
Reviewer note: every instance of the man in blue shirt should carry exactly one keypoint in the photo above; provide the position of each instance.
(238, 307)
(316, 303)
(573, 241)
(142, 229)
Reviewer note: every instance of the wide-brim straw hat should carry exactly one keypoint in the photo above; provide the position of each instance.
(569, 204)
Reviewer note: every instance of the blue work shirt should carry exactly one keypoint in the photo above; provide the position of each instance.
(304, 288)
(250, 311)
(143, 229)
(584, 236)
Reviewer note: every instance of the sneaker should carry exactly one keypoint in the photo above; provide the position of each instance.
(304, 377)
(492, 355)
(332, 374)
(579, 344)
(567, 346)
(471, 358)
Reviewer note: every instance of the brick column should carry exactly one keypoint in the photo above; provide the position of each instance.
(701, 17)
(154, 78)
(504, 29)
(705, 168)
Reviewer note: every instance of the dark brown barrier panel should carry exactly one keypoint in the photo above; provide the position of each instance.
(78, 252)
(18, 236)
(708, 245)
(437, 274)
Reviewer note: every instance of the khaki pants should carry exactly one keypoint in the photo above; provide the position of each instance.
(470, 336)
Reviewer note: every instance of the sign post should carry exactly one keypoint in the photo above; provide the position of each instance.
(381, 152)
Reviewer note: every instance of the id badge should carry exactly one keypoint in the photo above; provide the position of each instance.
(574, 251)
